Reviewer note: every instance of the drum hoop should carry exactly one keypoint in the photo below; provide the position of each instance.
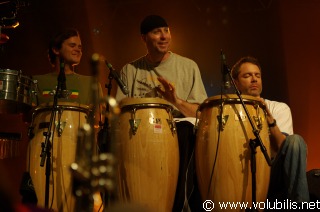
(15, 73)
(27, 80)
(62, 107)
(7, 71)
(10, 74)
(209, 103)
(146, 105)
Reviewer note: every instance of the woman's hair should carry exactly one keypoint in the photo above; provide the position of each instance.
(58, 39)
(247, 59)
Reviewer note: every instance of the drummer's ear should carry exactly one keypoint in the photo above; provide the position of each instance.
(143, 37)
(56, 51)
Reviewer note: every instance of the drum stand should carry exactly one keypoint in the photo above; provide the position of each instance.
(47, 145)
(104, 134)
(254, 143)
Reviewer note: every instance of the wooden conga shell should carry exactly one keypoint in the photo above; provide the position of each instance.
(148, 158)
(223, 159)
(63, 153)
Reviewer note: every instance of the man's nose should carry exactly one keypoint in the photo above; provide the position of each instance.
(163, 36)
(254, 79)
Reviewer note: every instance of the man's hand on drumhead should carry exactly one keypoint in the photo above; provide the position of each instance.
(168, 91)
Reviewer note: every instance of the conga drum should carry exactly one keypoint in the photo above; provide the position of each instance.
(69, 117)
(223, 154)
(147, 145)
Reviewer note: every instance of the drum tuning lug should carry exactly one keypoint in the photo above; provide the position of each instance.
(46, 133)
(196, 124)
(257, 118)
(222, 121)
(171, 122)
(134, 124)
(172, 126)
(60, 127)
(59, 132)
(258, 122)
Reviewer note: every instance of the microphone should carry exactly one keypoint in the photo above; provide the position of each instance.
(115, 74)
(62, 88)
(225, 71)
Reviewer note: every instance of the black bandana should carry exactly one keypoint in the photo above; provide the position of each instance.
(151, 22)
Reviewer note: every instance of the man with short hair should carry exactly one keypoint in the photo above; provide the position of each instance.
(177, 79)
(288, 172)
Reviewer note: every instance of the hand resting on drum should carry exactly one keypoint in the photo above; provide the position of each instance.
(276, 136)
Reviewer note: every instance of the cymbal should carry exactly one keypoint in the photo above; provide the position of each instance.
(3, 38)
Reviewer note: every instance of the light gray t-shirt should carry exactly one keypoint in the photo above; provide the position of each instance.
(140, 76)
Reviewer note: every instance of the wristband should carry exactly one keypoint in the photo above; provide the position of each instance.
(273, 124)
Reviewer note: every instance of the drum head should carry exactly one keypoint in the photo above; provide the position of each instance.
(128, 103)
(71, 106)
(231, 99)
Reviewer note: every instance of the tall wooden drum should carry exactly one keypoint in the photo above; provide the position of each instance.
(148, 150)
(71, 117)
(223, 154)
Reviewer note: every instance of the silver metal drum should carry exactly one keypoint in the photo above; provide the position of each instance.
(16, 91)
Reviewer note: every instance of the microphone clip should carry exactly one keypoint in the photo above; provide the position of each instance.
(62, 91)
(116, 76)
(225, 71)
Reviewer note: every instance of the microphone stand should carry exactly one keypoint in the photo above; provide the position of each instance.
(254, 143)
(104, 141)
(46, 152)
(46, 146)
(103, 135)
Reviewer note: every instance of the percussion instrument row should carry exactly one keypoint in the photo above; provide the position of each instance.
(146, 147)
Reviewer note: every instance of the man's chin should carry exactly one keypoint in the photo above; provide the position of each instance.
(74, 63)
(254, 94)
(163, 49)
